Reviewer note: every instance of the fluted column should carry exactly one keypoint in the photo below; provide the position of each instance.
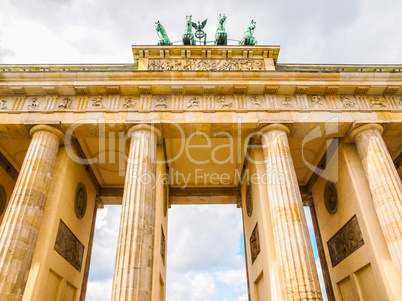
(19, 230)
(385, 186)
(132, 279)
(298, 274)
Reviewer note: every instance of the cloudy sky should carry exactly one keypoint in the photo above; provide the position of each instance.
(308, 31)
(90, 31)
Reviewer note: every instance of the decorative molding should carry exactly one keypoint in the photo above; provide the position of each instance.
(81, 90)
(206, 65)
(361, 90)
(113, 90)
(302, 90)
(69, 247)
(345, 242)
(17, 90)
(330, 90)
(145, 89)
(271, 89)
(391, 90)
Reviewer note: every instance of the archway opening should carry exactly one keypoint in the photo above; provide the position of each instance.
(206, 257)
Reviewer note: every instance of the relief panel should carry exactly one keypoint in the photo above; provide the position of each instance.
(206, 65)
(346, 241)
(69, 247)
(255, 244)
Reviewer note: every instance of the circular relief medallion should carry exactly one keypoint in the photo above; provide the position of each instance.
(3, 199)
(80, 203)
(331, 197)
(249, 199)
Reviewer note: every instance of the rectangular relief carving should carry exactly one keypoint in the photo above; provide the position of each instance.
(69, 247)
(346, 241)
(205, 65)
(255, 244)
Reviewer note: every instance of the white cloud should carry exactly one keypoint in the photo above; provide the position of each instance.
(234, 278)
(243, 298)
(99, 290)
(194, 286)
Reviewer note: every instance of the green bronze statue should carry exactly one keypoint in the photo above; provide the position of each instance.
(248, 37)
(163, 37)
(221, 36)
(188, 36)
(199, 32)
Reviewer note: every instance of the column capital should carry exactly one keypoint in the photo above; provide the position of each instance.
(146, 127)
(308, 200)
(363, 128)
(275, 127)
(47, 128)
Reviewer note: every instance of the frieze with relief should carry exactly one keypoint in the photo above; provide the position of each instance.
(206, 65)
(345, 242)
(69, 247)
(199, 102)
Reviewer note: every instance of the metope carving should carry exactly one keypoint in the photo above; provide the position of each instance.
(331, 197)
(69, 247)
(223, 103)
(129, 103)
(194, 103)
(287, 103)
(34, 103)
(206, 65)
(377, 102)
(3, 104)
(66, 103)
(316, 101)
(163, 246)
(346, 241)
(3, 200)
(347, 103)
(80, 200)
(97, 103)
(249, 199)
(255, 244)
(256, 101)
(161, 102)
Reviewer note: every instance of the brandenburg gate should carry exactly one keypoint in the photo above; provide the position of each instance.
(200, 124)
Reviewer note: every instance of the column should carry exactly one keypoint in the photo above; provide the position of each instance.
(385, 186)
(19, 230)
(298, 274)
(132, 279)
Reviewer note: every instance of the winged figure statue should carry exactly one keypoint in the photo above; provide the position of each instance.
(200, 25)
